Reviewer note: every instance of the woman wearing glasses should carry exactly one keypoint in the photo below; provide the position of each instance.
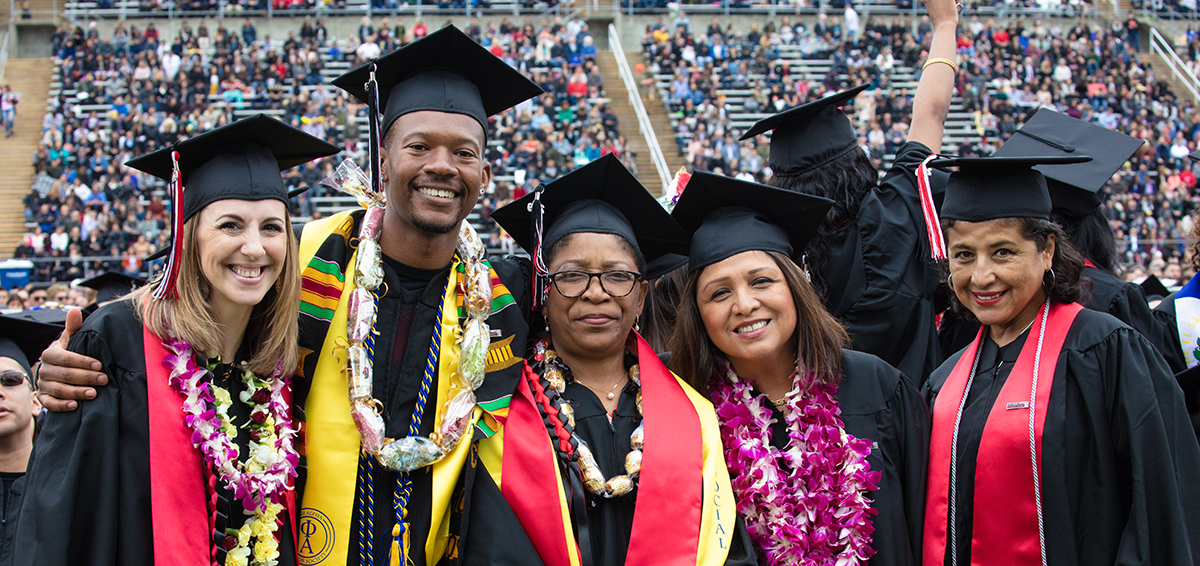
(620, 462)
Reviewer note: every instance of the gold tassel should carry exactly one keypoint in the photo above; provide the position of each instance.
(400, 545)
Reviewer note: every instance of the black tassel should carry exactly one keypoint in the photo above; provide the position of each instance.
(373, 111)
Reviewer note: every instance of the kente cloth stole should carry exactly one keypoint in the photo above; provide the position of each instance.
(1005, 521)
(685, 509)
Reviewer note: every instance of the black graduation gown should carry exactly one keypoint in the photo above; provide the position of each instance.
(880, 284)
(495, 535)
(1125, 301)
(881, 404)
(87, 490)
(1120, 463)
(1188, 379)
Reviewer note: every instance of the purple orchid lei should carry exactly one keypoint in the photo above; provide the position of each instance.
(272, 460)
(812, 510)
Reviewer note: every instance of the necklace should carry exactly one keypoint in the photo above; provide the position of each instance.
(260, 480)
(611, 393)
(821, 478)
(554, 376)
(412, 451)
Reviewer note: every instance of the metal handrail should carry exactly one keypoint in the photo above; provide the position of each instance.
(656, 155)
(1159, 45)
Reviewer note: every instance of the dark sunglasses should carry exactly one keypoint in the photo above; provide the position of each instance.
(12, 378)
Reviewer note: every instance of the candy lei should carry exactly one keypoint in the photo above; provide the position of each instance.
(554, 377)
(813, 510)
(261, 480)
(413, 451)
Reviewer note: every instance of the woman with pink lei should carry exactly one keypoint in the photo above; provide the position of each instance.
(826, 446)
(188, 456)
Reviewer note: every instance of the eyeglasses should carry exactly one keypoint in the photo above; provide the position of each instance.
(12, 378)
(38, 298)
(615, 282)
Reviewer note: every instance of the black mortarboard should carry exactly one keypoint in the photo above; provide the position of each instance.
(727, 216)
(664, 265)
(600, 197)
(1195, 155)
(986, 188)
(239, 161)
(112, 285)
(24, 335)
(1074, 189)
(809, 135)
(1154, 289)
(445, 71)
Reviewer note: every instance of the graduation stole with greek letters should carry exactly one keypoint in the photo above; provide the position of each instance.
(1005, 519)
(1187, 320)
(685, 510)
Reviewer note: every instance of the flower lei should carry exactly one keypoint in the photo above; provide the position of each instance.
(812, 509)
(413, 451)
(555, 375)
(260, 481)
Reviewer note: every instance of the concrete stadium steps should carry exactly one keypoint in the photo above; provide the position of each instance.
(616, 92)
(30, 78)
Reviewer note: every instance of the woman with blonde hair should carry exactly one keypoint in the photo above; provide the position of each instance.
(188, 457)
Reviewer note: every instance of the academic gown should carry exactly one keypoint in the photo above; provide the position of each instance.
(1125, 301)
(1188, 379)
(1120, 465)
(880, 404)
(495, 535)
(880, 284)
(88, 498)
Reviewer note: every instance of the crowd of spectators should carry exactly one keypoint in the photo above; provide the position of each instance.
(134, 92)
(1089, 70)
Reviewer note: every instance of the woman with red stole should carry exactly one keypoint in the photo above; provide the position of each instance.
(1059, 435)
(605, 457)
(826, 446)
(188, 456)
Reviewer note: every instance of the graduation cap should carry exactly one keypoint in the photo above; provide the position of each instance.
(445, 71)
(242, 161)
(112, 285)
(25, 334)
(664, 265)
(1195, 155)
(809, 135)
(1074, 189)
(1154, 288)
(601, 197)
(986, 188)
(726, 216)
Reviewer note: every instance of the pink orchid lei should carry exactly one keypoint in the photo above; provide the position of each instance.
(813, 510)
(260, 481)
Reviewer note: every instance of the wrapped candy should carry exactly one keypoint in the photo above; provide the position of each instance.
(479, 291)
(360, 319)
(569, 413)
(635, 375)
(555, 377)
(456, 419)
(360, 372)
(368, 272)
(409, 453)
(473, 358)
(618, 486)
(469, 244)
(350, 179)
(638, 438)
(370, 426)
(593, 479)
(639, 402)
(372, 222)
(633, 463)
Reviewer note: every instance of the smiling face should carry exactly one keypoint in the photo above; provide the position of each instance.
(433, 169)
(748, 311)
(593, 325)
(242, 248)
(997, 273)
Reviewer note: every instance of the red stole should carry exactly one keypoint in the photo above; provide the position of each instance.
(666, 520)
(1005, 528)
(182, 520)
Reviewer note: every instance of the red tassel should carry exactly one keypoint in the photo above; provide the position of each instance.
(166, 285)
(933, 225)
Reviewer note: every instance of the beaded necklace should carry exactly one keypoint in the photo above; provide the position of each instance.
(555, 374)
